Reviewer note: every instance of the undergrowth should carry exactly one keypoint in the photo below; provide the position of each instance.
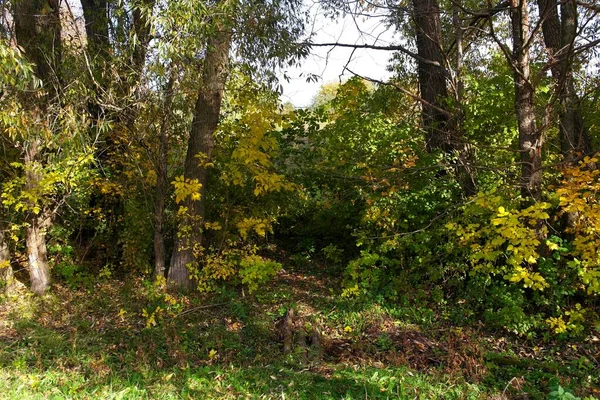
(130, 340)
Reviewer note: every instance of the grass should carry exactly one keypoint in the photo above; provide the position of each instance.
(128, 340)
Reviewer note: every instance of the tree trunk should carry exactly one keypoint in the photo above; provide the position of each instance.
(201, 142)
(559, 37)
(441, 132)
(287, 331)
(464, 151)
(432, 77)
(162, 183)
(35, 240)
(6, 272)
(530, 139)
(38, 32)
(95, 13)
(39, 271)
(141, 29)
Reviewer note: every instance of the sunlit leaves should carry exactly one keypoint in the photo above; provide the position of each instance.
(574, 324)
(256, 225)
(508, 243)
(250, 137)
(186, 188)
(15, 71)
(578, 198)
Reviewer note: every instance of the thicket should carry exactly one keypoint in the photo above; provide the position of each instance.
(401, 193)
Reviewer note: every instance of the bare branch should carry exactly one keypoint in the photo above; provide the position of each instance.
(399, 48)
(589, 6)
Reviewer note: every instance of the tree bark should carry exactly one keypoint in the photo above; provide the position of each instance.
(95, 13)
(441, 132)
(162, 183)
(432, 76)
(38, 32)
(6, 272)
(188, 244)
(141, 29)
(559, 35)
(39, 270)
(287, 333)
(530, 139)
(35, 239)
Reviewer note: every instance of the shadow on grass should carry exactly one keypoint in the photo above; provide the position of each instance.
(104, 343)
(131, 341)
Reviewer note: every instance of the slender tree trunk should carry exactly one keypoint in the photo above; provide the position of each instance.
(35, 240)
(441, 132)
(530, 139)
(125, 89)
(6, 272)
(464, 171)
(559, 37)
(575, 138)
(141, 29)
(201, 142)
(162, 183)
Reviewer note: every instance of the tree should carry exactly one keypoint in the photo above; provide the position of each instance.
(441, 132)
(162, 183)
(39, 121)
(265, 37)
(530, 138)
(43, 50)
(559, 38)
(200, 146)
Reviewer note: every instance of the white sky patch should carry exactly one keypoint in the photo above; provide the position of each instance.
(332, 63)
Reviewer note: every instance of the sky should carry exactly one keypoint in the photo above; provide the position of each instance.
(329, 63)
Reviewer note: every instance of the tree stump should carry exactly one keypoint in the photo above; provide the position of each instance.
(300, 337)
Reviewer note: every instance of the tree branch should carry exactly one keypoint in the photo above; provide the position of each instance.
(402, 90)
(399, 48)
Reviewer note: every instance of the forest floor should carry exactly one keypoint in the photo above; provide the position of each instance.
(125, 339)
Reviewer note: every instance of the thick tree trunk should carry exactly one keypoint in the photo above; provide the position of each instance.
(559, 37)
(432, 77)
(95, 13)
(188, 244)
(38, 32)
(530, 139)
(6, 272)
(441, 132)
(162, 183)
